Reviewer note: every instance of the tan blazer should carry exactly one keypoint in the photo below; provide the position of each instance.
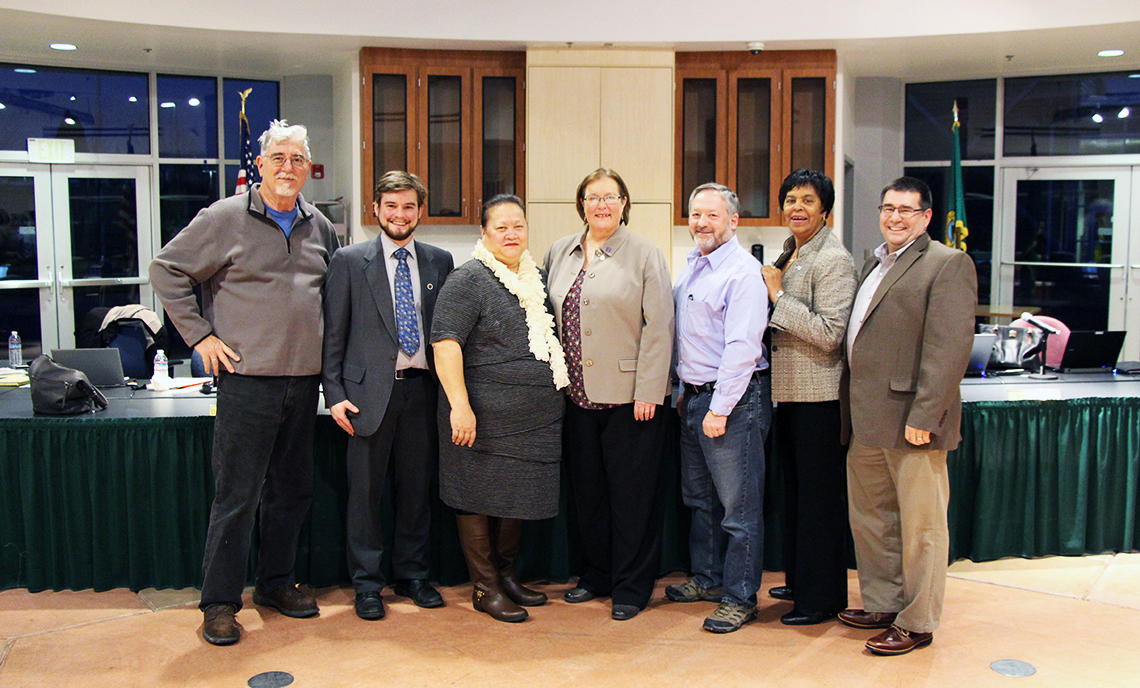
(626, 313)
(809, 322)
(911, 352)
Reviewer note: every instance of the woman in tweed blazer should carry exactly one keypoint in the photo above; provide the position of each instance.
(811, 287)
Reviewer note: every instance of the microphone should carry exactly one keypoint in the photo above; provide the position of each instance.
(1028, 317)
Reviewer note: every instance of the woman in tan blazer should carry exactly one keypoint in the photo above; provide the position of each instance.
(811, 287)
(611, 295)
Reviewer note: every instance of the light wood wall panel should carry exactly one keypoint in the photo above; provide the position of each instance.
(563, 115)
(549, 222)
(637, 129)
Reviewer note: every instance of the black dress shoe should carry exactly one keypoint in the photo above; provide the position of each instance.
(801, 618)
(624, 612)
(576, 595)
(782, 592)
(369, 606)
(420, 592)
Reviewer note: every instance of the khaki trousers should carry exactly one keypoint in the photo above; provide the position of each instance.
(898, 501)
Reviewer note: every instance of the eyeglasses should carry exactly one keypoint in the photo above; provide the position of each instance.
(611, 199)
(278, 160)
(904, 212)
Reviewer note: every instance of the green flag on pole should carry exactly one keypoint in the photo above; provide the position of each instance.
(956, 231)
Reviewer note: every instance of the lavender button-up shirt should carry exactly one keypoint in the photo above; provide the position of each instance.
(722, 310)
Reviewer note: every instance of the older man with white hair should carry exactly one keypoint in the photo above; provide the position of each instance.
(261, 259)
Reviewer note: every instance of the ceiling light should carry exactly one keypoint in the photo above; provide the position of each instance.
(24, 70)
(1110, 53)
(194, 102)
(62, 46)
(1098, 118)
(1134, 76)
(166, 104)
(71, 98)
(1124, 112)
(2, 106)
(68, 120)
(133, 99)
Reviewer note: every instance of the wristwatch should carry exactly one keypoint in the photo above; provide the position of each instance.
(778, 295)
(715, 414)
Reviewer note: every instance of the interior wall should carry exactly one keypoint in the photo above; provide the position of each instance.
(877, 150)
(308, 99)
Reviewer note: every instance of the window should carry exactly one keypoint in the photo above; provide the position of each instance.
(930, 114)
(1079, 114)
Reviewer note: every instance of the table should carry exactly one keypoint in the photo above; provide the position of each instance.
(121, 498)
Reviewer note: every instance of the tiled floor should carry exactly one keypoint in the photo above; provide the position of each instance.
(1076, 620)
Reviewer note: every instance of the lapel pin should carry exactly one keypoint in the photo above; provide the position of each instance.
(430, 287)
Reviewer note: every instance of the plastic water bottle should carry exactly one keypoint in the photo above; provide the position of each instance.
(160, 379)
(15, 350)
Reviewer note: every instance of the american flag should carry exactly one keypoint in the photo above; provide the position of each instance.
(247, 173)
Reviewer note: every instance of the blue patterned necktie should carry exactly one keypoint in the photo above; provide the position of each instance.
(406, 327)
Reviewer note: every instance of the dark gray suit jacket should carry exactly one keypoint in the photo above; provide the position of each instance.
(360, 346)
(911, 353)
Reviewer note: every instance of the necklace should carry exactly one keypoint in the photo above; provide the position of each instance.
(526, 285)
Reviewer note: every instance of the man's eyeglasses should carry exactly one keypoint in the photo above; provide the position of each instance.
(904, 212)
(611, 199)
(278, 160)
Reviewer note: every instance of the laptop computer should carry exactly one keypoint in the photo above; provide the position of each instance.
(1092, 350)
(980, 353)
(103, 367)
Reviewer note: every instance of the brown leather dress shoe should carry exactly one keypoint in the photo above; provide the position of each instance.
(898, 641)
(288, 600)
(220, 627)
(858, 618)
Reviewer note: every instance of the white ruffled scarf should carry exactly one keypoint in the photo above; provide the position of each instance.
(527, 287)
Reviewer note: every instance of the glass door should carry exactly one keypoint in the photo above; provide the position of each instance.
(1065, 246)
(72, 238)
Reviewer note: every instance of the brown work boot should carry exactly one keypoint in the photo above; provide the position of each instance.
(488, 597)
(220, 627)
(288, 600)
(508, 532)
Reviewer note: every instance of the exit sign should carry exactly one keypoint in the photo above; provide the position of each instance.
(53, 151)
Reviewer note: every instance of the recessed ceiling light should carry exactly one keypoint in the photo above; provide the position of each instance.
(1124, 112)
(1110, 53)
(194, 102)
(166, 104)
(2, 106)
(1098, 118)
(62, 46)
(68, 120)
(71, 98)
(133, 99)
(24, 70)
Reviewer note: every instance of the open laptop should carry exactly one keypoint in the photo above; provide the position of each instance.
(103, 367)
(1092, 351)
(980, 353)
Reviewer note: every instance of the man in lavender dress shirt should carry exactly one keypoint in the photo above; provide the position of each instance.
(725, 408)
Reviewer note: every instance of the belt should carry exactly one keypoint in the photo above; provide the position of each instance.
(409, 373)
(709, 387)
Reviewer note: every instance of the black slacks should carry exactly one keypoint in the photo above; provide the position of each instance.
(613, 464)
(815, 503)
(406, 439)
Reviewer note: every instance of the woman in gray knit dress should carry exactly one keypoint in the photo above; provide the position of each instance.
(500, 417)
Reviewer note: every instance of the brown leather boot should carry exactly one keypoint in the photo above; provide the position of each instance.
(508, 532)
(475, 538)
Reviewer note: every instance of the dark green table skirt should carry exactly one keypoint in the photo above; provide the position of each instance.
(123, 502)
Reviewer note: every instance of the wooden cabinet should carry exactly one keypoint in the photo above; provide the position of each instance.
(599, 108)
(454, 118)
(747, 121)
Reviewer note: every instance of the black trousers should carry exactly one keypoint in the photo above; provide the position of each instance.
(263, 460)
(613, 463)
(815, 503)
(407, 439)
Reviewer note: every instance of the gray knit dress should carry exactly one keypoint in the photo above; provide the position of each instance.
(512, 471)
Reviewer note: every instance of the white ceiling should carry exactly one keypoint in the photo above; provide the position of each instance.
(962, 39)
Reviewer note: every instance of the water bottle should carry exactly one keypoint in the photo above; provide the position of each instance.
(15, 351)
(160, 379)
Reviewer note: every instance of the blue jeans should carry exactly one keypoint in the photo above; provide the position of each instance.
(722, 481)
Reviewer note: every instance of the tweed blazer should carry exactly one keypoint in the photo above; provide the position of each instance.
(908, 358)
(809, 322)
(626, 315)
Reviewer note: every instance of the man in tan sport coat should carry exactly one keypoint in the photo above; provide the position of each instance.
(908, 343)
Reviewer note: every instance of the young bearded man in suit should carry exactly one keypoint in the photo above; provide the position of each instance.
(380, 387)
